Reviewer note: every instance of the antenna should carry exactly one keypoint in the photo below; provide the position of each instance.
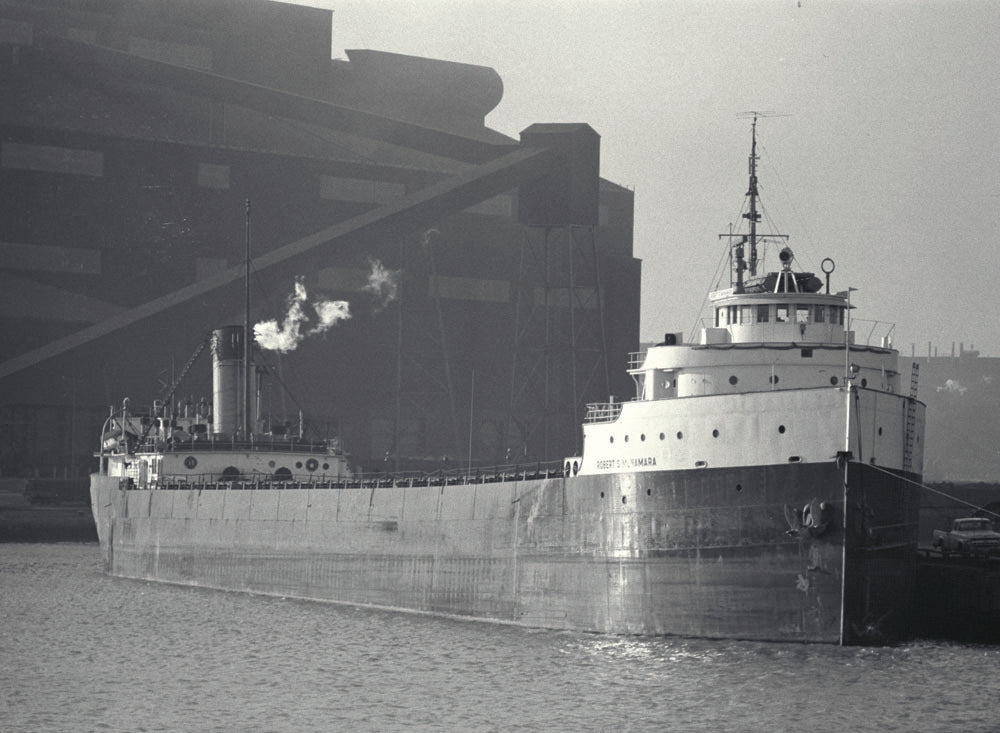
(752, 215)
(757, 114)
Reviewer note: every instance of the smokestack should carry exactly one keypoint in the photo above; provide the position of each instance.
(227, 381)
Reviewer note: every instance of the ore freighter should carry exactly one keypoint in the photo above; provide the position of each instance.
(761, 484)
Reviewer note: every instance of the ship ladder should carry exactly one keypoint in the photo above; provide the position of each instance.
(911, 418)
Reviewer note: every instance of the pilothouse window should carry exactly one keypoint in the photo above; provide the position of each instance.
(781, 314)
(762, 314)
(802, 314)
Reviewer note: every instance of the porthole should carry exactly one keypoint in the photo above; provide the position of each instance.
(612, 439)
(624, 500)
(880, 431)
(298, 464)
(642, 437)
(649, 492)
(781, 429)
(715, 433)
(602, 494)
(864, 382)
(679, 435)
(701, 464)
(190, 462)
(739, 487)
(312, 464)
(773, 379)
(326, 466)
(626, 438)
(833, 381)
(794, 459)
(271, 464)
(734, 379)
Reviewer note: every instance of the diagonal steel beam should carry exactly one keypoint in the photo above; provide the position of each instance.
(421, 208)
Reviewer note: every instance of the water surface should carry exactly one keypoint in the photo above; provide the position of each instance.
(83, 652)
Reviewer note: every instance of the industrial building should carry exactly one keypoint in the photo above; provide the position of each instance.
(962, 391)
(144, 144)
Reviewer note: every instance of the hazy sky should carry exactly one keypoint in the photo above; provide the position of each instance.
(887, 161)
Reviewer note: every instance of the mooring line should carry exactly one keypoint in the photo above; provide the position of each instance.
(936, 491)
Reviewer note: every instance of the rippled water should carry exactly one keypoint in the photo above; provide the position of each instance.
(83, 652)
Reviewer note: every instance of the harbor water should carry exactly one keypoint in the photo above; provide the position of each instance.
(80, 651)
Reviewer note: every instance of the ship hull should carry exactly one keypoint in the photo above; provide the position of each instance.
(717, 553)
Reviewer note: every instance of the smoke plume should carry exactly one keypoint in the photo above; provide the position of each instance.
(307, 316)
(382, 284)
(303, 318)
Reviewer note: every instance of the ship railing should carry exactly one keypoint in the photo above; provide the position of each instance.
(211, 443)
(373, 480)
(637, 358)
(599, 412)
(876, 333)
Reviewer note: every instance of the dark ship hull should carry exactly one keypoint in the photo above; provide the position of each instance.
(714, 552)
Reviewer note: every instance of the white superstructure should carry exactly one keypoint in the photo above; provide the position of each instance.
(776, 377)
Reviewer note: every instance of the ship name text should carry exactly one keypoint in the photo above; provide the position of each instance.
(609, 464)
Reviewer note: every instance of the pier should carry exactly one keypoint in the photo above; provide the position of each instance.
(957, 598)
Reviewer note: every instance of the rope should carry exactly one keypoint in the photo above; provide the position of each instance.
(935, 491)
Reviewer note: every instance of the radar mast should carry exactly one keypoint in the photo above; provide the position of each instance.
(753, 215)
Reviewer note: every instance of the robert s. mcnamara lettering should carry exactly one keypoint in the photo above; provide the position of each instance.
(610, 464)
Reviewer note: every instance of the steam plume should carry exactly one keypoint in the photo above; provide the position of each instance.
(308, 317)
(427, 236)
(303, 319)
(382, 284)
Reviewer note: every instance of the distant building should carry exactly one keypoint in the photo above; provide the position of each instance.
(962, 393)
(133, 131)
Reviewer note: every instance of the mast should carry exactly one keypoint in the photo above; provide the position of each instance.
(753, 215)
(247, 334)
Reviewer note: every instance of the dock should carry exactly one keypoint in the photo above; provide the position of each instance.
(45, 511)
(957, 598)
